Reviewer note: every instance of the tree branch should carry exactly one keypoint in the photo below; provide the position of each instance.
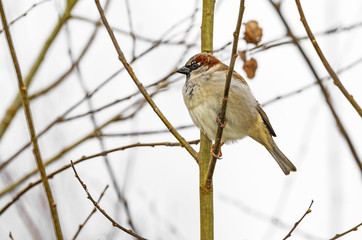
(299, 221)
(310, 85)
(206, 196)
(323, 89)
(81, 226)
(84, 158)
(144, 92)
(114, 223)
(331, 72)
(355, 228)
(25, 13)
(16, 104)
(25, 100)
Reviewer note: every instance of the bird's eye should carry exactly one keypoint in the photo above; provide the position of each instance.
(194, 65)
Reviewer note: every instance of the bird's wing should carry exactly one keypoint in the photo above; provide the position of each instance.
(266, 120)
(235, 75)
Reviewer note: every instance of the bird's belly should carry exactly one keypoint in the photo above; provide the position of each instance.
(205, 117)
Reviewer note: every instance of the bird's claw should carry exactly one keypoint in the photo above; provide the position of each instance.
(218, 120)
(219, 155)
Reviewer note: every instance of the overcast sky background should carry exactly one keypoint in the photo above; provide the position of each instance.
(252, 197)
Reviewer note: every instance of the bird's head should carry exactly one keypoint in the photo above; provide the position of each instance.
(198, 64)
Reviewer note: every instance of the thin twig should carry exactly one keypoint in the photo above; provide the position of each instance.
(84, 158)
(51, 160)
(131, 31)
(331, 72)
(25, 13)
(121, 196)
(11, 236)
(93, 111)
(16, 103)
(25, 100)
(74, 65)
(355, 228)
(144, 132)
(323, 89)
(83, 52)
(222, 114)
(160, 84)
(299, 221)
(146, 39)
(255, 212)
(310, 85)
(59, 119)
(286, 39)
(114, 223)
(23, 212)
(81, 226)
(140, 103)
(144, 92)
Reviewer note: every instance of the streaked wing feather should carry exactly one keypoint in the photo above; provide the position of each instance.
(266, 120)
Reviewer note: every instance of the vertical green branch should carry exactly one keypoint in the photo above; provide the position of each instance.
(206, 194)
(207, 26)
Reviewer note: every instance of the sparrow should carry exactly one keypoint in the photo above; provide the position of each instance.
(203, 93)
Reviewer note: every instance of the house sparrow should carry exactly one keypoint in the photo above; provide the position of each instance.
(203, 92)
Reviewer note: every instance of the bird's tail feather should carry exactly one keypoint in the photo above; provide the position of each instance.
(285, 164)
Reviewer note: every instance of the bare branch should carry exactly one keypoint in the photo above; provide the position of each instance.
(81, 226)
(141, 87)
(71, 68)
(24, 214)
(25, 100)
(16, 103)
(331, 72)
(323, 89)
(255, 212)
(131, 31)
(144, 132)
(310, 85)
(57, 156)
(25, 13)
(299, 221)
(51, 175)
(355, 228)
(160, 84)
(286, 39)
(147, 39)
(114, 223)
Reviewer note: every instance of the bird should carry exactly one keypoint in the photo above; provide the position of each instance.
(203, 93)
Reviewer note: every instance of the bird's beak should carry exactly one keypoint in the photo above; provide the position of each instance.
(184, 70)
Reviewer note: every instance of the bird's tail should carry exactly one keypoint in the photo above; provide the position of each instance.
(285, 164)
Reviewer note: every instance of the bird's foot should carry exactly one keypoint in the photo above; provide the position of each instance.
(219, 155)
(218, 120)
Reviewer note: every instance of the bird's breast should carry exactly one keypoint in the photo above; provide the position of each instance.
(192, 94)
